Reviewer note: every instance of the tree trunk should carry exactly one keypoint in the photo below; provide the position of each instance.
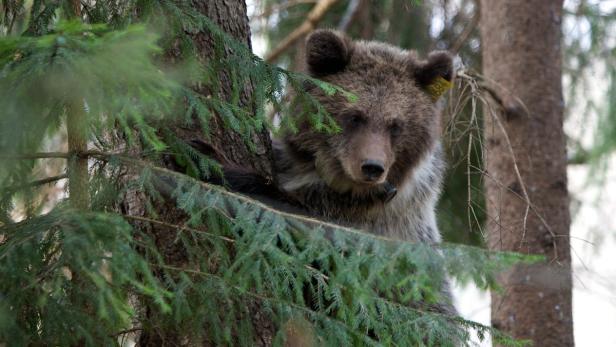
(526, 161)
(230, 16)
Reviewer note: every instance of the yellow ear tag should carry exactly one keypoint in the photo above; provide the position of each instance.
(438, 87)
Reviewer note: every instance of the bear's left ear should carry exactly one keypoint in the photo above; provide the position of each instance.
(327, 52)
(435, 75)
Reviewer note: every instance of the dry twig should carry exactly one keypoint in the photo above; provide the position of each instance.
(468, 30)
(350, 14)
(281, 7)
(511, 105)
(314, 17)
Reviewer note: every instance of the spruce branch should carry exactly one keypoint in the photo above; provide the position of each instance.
(264, 298)
(404, 310)
(180, 228)
(298, 222)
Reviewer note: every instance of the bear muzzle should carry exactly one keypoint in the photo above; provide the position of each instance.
(372, 170)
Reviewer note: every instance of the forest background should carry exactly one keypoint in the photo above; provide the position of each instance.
(589, 87)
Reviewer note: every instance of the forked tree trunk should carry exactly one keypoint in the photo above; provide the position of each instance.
(522, 52)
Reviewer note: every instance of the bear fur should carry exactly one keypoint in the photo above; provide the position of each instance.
(394, 123)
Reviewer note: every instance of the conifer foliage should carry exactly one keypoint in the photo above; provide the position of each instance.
(92, 274)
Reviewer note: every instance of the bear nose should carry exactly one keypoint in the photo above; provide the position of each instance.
(372, 169)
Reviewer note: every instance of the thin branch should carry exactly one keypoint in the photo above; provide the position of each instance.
(350, 14)
(126, 331)
(469, 205)
(509, 103)
(314, 17)
(87, 9)
(178, 227)
(244, 199)
(38, 182)
(9, 29)
(56, 155)
(520, 180)
(281, 7)
(43, 155)
(464, 36)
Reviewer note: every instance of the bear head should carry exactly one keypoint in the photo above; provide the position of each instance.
(389, 128)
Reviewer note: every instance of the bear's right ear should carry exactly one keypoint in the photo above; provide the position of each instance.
(327, 52)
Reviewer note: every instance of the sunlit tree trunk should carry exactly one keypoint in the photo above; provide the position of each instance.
(526, 162)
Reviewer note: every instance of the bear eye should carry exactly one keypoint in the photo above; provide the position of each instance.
(353, 119)
(395, 129)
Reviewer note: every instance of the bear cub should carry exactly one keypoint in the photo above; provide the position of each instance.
(382, 173)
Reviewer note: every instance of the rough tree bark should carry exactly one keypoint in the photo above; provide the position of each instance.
(526, 160)
(230, 16)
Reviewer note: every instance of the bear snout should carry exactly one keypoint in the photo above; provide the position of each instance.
(372, 170)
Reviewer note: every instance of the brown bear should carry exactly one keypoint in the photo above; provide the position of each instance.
(382, 172)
